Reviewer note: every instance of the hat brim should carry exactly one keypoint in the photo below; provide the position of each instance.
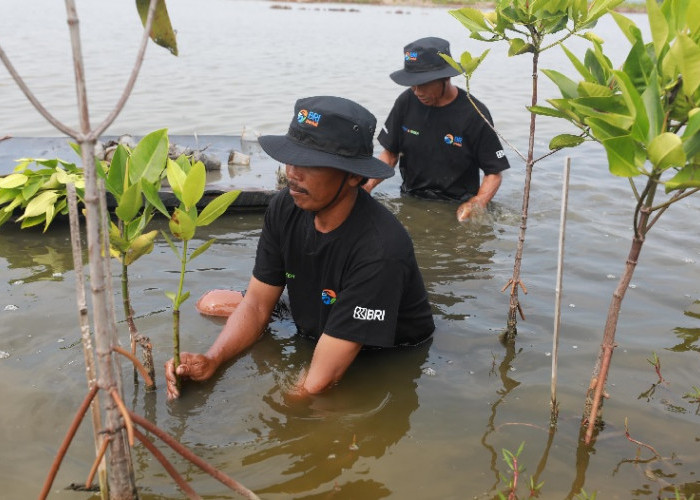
(409, 79)
(288, 151)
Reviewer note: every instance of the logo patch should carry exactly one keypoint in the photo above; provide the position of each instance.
(500, 153)
(290, 276)
(368, 314)
(328, 296)
(410, 56)
(309, 117)
(409, 131)
(453, 140)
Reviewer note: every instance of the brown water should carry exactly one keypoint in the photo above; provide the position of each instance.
(427, 423)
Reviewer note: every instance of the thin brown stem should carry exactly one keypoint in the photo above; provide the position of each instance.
(67, 440)
(602, 376)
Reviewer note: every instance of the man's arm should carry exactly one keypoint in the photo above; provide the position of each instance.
(332, 357)
(489, 188)
(390, 159)
(241, 330)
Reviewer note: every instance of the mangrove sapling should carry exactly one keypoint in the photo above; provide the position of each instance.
(647, 117)
(187, 181)
(525, 26)
(133, 178)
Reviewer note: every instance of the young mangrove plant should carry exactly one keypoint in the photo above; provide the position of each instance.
(187, 181)
(527, 27)
(647, 117)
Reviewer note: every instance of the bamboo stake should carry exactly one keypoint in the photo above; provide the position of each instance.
(84, 321)
(557, 297)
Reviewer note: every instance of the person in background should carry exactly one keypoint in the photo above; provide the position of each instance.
(347, 263)
(437, 137)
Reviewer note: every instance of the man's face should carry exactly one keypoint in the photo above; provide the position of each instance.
(313, 188)
(429, 93)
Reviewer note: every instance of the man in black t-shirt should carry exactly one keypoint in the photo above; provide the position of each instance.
(437, 136)
(347, 262)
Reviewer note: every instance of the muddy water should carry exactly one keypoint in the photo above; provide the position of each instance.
(417, 424)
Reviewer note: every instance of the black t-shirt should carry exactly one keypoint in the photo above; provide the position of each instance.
(359, 282)
(442, 148)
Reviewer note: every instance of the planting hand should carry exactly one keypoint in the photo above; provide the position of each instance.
(193, 366)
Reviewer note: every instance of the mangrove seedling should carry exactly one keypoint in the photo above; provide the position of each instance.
(187, 181)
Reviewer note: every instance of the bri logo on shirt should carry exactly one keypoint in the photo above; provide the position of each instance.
(309, 117)
(410, 56)
(328, 296)
(453, 140)
(368, 314)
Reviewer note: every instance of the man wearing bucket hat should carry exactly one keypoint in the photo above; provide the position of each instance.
(437, 137)
(347, 263)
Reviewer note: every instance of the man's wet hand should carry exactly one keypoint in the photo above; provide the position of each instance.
(197, 367)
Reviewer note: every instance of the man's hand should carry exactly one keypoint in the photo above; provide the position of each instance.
(472, 207)
(197, 367)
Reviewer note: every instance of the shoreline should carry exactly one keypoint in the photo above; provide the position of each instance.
(625, 7)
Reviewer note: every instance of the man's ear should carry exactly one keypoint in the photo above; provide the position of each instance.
(356, 180)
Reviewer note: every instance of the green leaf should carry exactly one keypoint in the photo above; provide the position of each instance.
(162, 32)
(545, 111)
(589, 35)
(452, 62)
(687, 54)
(640, 128)
(171, 244)
(658, 25)
(148, 159)
(32, 221)
(603, 130)
(666, 150)
(171, 296)
(39, 204)
(13, 181)
(32, 187)
(4, 217)
(628, 28)
(141, 245)
(472, 19)
(691, 134)
(201, 249)
(519, 46)
(580, 67)
(565, 141)
(566, 85)
(181, 225)
(176, 178)
(117, 181)
(590, 89)
(216, 207)
(687, 177)
(469, 63)
(130, 203)
(621, 153)
(652, 104)
(150, 191)
(193, 187)
(182, 298)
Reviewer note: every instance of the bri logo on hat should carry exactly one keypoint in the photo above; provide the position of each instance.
(309, 117)
(410, 56)
(453, 140)
(328, 296)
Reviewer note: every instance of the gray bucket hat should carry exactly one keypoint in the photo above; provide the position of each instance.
(422, 62)
(328, 131)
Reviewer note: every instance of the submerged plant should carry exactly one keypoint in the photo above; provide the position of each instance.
(513, 479)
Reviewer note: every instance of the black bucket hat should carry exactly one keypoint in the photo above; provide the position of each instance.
(329, 131)
(422, 62)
